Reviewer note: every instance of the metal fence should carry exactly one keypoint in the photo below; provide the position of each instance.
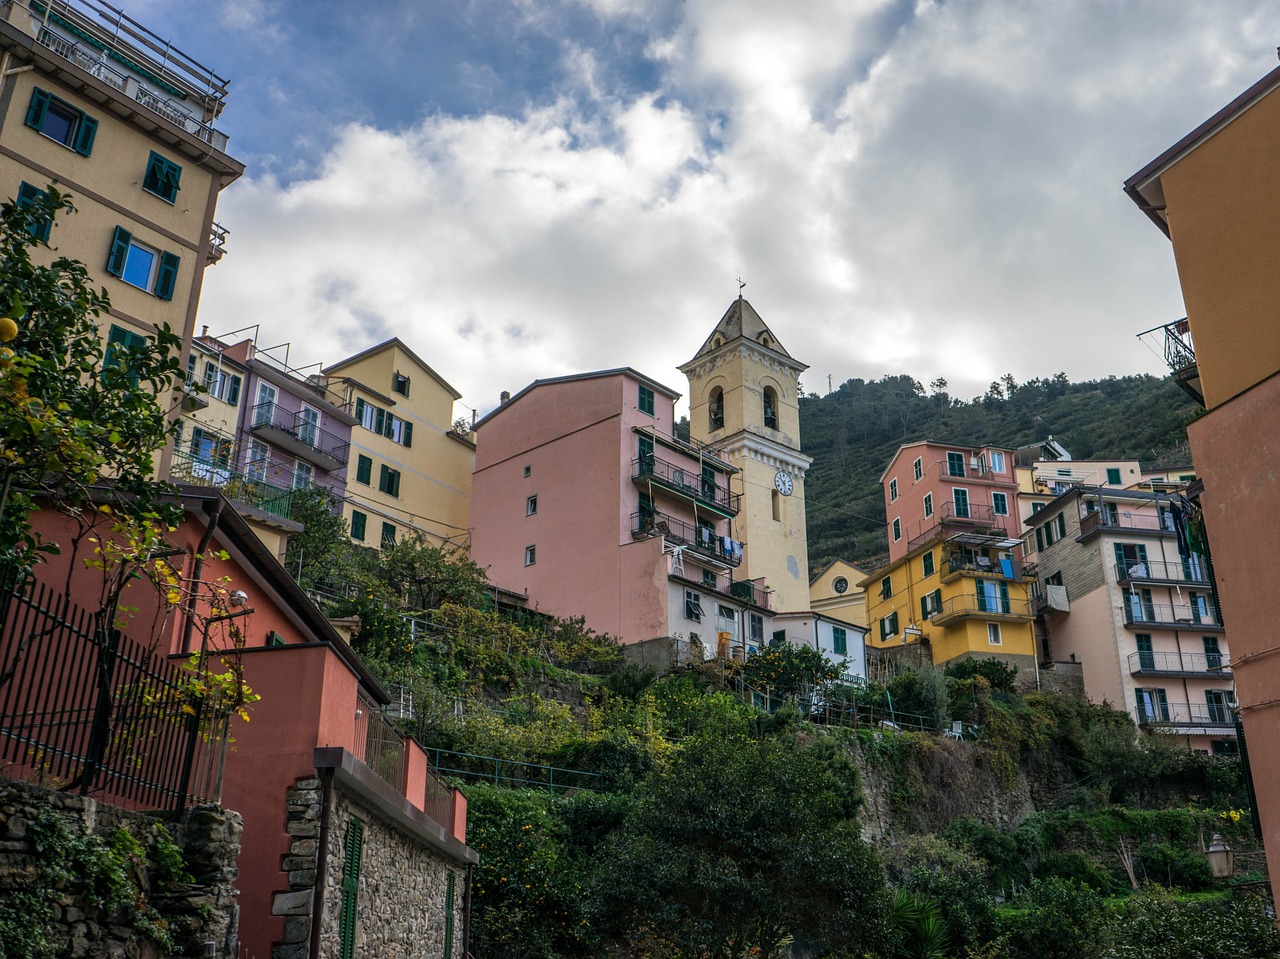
(510, 772)
(383, 745)
(86, 709)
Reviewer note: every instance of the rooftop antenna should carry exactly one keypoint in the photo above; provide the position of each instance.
(741, 284)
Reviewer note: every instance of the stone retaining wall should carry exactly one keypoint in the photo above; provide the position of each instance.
(201, 914)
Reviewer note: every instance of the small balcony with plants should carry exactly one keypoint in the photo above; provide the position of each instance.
(234, 485)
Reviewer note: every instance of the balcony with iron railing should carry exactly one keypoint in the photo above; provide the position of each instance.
(1189, 714)
(1170, 574)
(1178, 664)
(1143, 615)
(983, 606)
(1125, 521)
(701, 539)
(234, 485)
(983, 567)
(749, 592)
(975, 518)
(685, 480)
(217, 242)
(292, 432)
(143, 67)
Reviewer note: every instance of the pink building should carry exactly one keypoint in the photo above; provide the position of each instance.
(586, 502)
(931, 488)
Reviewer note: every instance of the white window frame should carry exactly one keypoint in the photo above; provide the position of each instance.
(304, 474)
(152, 271)
(693, 606)
(257, 461)
(531, 505)
(918, 468)
(1000, 504)
(531, 554)
(269, 397)
(958, 491)
(893, 491)
(994, 637)
(897, 528)
(928, 505)
(995, 459)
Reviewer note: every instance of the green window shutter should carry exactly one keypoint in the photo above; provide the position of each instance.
(839, 640)
(36, 111)
(360, 410)
(86, 130)
(167, 276)
(448, 916)
(924, 606)
(388, 534)
(27, 195)
(233, 391)
(358, 522)
(407, 435)
(353, 848)
(364, 469)
(119, 251)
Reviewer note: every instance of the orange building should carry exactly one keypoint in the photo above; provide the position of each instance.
(1216, 195)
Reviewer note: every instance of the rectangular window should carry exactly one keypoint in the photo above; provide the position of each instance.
(993, 634)
(839, 641)
(889, 626)
(644, 455)
(1153, 706)
(1113, 477)
(996, 459)
(264, 410)
(1062, 525)
(259, 457)
(1039, 538)
(779, 637)
(886, 587)
(221, 384)
(399, 383)
(1036, 507)
(364, 469)
(756, 622)
(359, 523)
(388, 535)
(897, 530)
(918, 468)
(118, 338)
(1000, 504)
(531, 505)
(926, 563)
(59, 120)
(930, 603)
(928, 505)
(893, 490)
(960, 500)
(646, 400)
(139, 265)
(162, 177)
(1212, 652)
(692, 606)
(709, 578)
(528, 471)
(389, 480)
(303, 473)
(27, 196)
(380, 421)
(530, 555)
(955, 464)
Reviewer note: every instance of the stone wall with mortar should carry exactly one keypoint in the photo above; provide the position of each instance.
(403, 884)
(202, 913)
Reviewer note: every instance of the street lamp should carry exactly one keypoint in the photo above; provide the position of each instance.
(1222, 860)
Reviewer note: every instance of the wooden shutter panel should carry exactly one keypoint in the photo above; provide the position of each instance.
(36, 112)
(119, 251)
(448, 916)
(167, 277)
(354, 846)
(408, 433)
(364, 469)
(86, 130)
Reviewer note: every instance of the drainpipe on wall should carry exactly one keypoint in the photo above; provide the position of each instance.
(466, 916)
(190, 627)
(322, 863)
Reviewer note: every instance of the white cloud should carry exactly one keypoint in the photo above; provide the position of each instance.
(931, 190)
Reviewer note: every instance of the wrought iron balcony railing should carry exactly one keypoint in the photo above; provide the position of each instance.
(686, 480)
(701, 539)
(1123, 520)
(186, 468)
(1179, 573)
(1187, 714)
(1171, 615)
(1155, 662)
(299, 435)
(981, 605)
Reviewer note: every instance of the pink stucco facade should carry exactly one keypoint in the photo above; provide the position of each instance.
(586, 503)
(929, 484)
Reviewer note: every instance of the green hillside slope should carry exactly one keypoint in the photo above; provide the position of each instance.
(854, 431)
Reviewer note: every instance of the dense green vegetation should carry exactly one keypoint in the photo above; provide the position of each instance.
(853, 432)
(702, 826)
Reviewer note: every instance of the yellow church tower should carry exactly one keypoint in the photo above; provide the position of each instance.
(743, 388)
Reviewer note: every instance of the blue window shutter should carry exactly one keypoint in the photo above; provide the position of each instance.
(119, 251)
(167, 277)
(408, 434)
(86, 130)
(35, 112)
(233, 391)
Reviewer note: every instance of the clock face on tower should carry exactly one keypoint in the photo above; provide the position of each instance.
(782, 480)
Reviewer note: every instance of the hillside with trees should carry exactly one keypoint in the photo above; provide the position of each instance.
(853, 432)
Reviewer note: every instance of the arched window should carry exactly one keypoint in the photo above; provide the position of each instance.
(715, 409)
(770, 408)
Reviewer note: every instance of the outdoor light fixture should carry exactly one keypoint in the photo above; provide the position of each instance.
(239, 598)
(1222, 860)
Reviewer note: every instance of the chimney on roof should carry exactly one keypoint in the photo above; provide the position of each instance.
(503, 397)
(204, 330)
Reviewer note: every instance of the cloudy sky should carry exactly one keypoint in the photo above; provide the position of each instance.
(532, 188)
